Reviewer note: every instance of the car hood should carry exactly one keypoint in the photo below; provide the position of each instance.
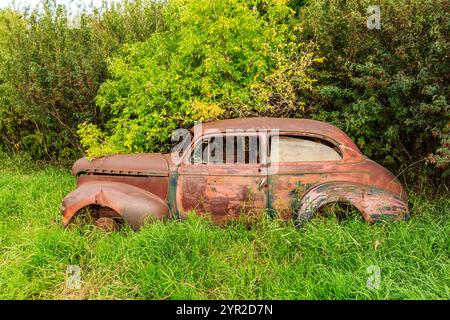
(146, 164)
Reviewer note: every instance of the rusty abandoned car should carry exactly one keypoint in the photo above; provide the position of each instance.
(289, 168)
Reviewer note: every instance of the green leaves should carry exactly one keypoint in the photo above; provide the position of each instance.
(50, 71)
(387, 89)
(216, 59)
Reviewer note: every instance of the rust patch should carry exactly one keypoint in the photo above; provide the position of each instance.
(373, 203)
(156, 185)
(133, 204)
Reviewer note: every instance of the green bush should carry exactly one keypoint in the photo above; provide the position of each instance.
(51, 69)
(215, 59)
(387, 88)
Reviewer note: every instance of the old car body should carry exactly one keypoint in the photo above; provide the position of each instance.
(289, 168)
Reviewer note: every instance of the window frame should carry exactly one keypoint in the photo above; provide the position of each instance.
(262, 136)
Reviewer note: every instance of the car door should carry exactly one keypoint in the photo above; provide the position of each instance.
(297, 162)
(224, 176)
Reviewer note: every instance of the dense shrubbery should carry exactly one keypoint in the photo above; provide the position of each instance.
(51, 69)
(221, 58)
(191, 60)
(387, 88)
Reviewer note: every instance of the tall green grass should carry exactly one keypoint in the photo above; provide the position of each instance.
(326, 259)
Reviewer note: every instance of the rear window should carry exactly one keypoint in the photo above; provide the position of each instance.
(296, 149)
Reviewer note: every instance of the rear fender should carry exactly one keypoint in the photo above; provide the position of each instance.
(133, 204)
(373, 203)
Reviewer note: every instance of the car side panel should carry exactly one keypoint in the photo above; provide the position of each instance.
(156, 185)
(287, 190)
(289, 184)
(135, 205)
(374, 204)
(224, 191)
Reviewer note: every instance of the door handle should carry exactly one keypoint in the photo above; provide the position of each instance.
(261, 183)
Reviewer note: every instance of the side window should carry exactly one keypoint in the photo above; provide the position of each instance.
(227, 149)
(295, 149)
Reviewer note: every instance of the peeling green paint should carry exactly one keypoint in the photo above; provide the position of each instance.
(271, 212)
(172, 195)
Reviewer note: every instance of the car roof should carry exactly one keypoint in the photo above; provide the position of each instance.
(281, 124)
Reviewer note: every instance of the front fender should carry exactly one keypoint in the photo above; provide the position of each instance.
(372, 203)
(133, 204)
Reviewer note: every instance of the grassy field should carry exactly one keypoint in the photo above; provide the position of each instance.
(326, 259)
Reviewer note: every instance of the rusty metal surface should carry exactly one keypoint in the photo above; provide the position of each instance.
(223, 191)
(145, 185)
(292, 182)
(133, 204)
(373, 203)
(156, 185)
(153, 164)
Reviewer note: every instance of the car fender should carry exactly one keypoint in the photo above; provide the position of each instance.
(373, 203)
(133, 204)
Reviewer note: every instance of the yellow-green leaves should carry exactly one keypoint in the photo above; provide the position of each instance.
(216, 58)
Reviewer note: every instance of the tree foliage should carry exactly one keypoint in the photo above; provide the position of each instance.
(215, 59)
(387, 88)
(51, 69)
